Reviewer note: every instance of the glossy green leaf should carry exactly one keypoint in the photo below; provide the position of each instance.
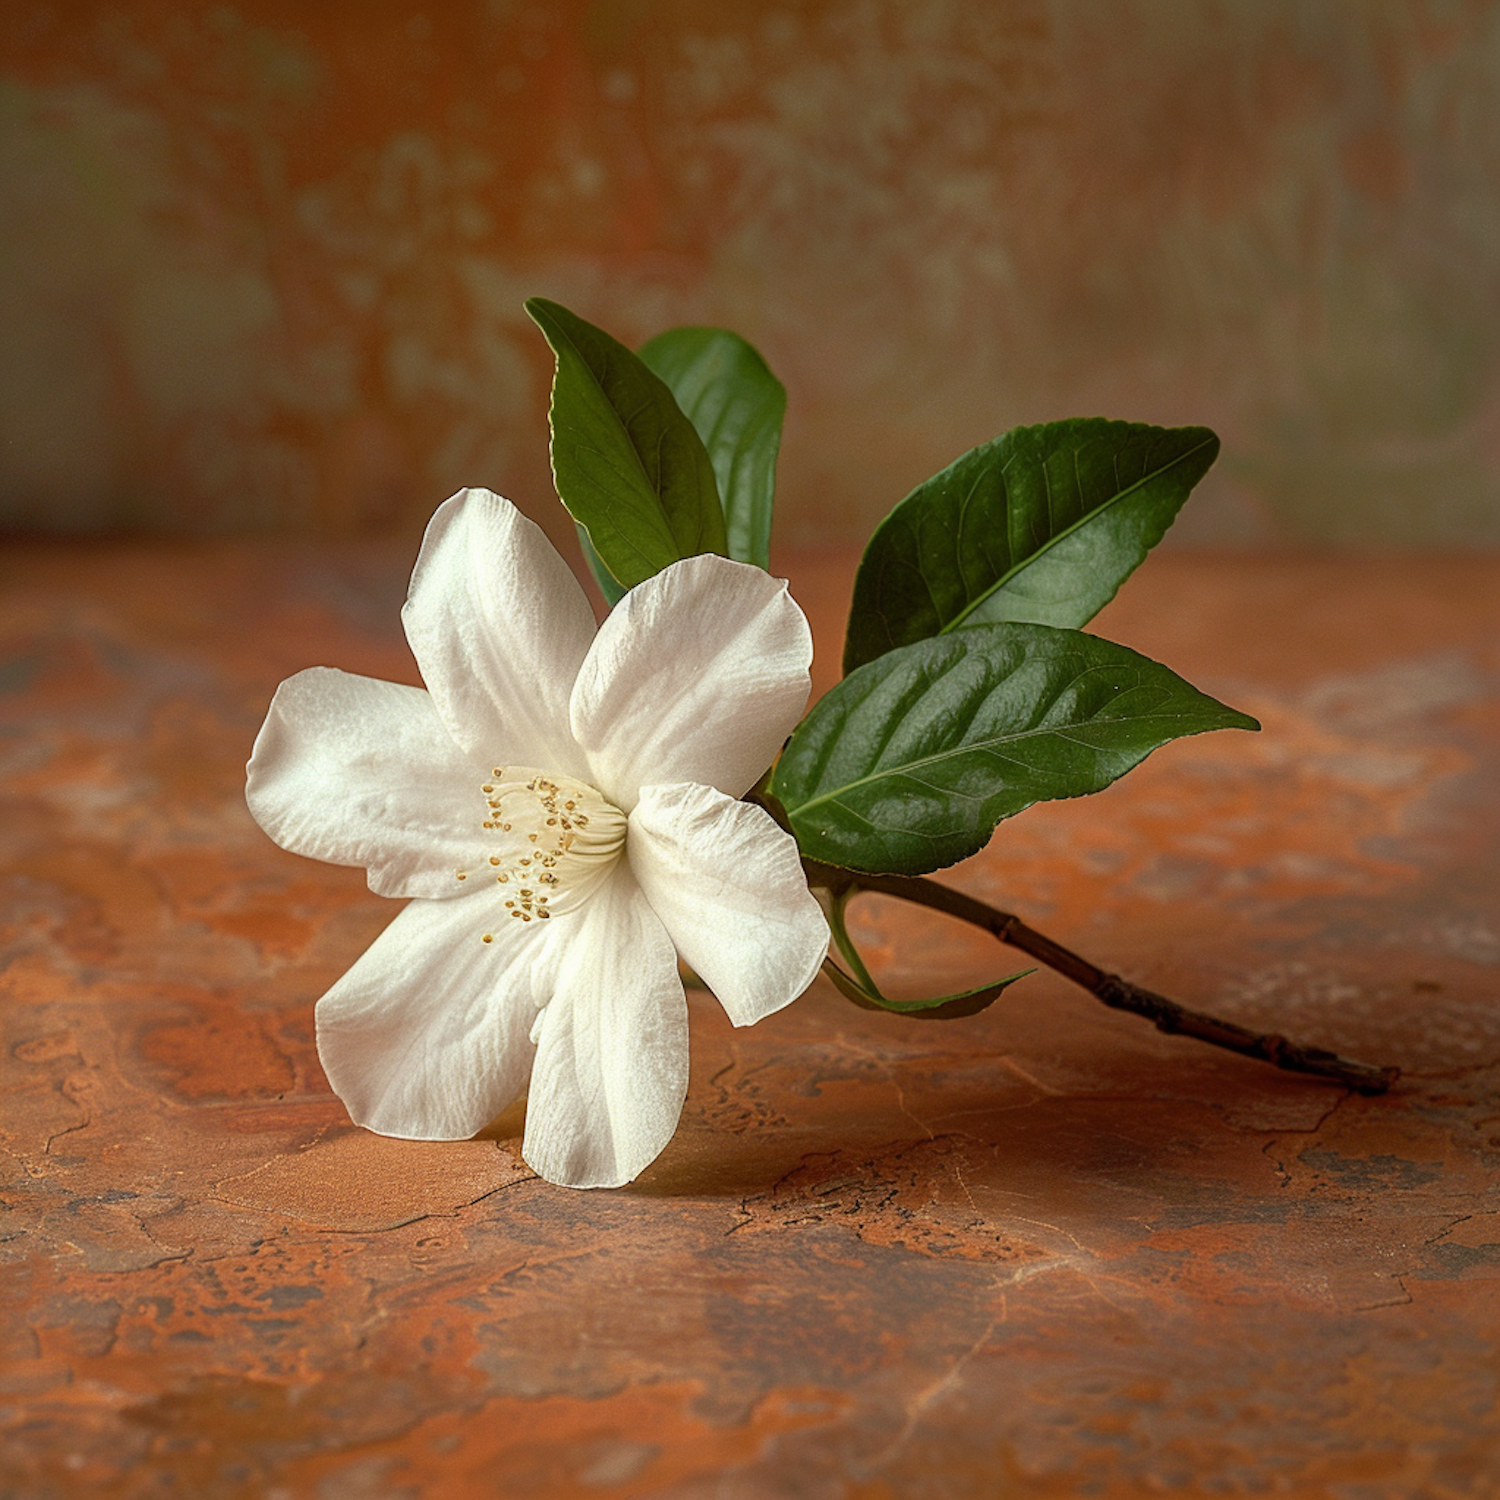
(628, 464)
(736, 405)
(909, 763)
(1041, 525)
(939, 1008)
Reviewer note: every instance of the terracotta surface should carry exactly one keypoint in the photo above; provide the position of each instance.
(1041, 1253)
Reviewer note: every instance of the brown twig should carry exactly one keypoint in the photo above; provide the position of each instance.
(1120, 994)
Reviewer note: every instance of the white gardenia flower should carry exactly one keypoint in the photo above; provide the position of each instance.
(561, 807)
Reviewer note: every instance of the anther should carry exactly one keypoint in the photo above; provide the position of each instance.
(557, 838)
(489, 937)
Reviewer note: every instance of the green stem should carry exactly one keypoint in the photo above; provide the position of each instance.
(1120, 994)
(837, 901)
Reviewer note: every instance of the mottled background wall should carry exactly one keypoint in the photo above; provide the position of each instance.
(263, 263)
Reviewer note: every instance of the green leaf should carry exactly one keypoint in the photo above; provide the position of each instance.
(861, 988)
(939, 1008)
(736, 405)
(911, 761)
(628, 464)
(1041, 525)
(609, 585)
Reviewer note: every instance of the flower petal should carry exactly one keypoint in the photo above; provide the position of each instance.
(612, 1053)
(427, 1037)
(728, 885)
(355, 771)
(699, 674)
(499, 627)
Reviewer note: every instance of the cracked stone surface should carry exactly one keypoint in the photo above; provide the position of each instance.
(1044, 1252)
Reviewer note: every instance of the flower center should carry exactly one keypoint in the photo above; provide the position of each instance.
(550, 841)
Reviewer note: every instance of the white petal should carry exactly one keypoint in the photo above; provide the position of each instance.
(499, 627)
(612, 1054)
(729, 886)
(699, 674)
(359, 772)
(427, 1036)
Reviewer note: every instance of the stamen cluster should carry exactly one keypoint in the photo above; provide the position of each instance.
(558, 833)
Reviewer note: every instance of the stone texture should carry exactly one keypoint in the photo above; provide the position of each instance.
(1042, 1253)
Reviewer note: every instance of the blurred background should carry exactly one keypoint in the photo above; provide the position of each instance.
(262, 264)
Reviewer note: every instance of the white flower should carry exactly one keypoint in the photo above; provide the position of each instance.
(561, 805)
